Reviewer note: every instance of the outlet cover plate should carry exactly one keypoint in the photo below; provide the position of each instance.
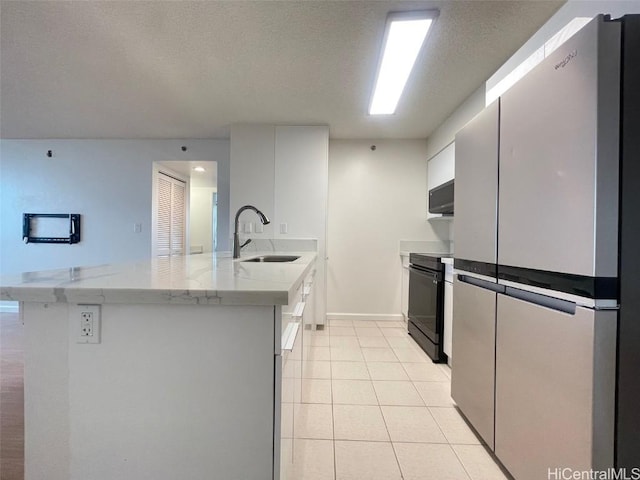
(85, 323)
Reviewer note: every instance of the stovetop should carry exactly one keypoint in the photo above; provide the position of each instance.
(429, 260)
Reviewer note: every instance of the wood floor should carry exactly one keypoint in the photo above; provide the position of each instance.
(11, 398)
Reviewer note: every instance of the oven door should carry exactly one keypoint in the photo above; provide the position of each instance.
(426, 316)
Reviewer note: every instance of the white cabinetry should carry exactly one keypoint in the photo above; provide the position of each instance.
(252, 170)
(448, 311)
(283, 171)
(404, 291)
(440, 169)
(300, 182)
(309, 297)
(291, 389)
(286, 402)
(300, 192)
(297, 321)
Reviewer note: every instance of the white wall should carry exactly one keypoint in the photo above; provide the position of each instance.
(446, 132)
(376, 199)
(108, 182)
(201, 217)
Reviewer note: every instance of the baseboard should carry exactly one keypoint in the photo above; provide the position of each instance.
(9, 307)
(381, 317)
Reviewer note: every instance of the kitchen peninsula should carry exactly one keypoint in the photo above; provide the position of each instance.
(180, 379)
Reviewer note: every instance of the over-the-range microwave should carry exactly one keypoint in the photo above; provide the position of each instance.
(441, 199)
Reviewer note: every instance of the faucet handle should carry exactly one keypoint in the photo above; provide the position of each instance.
(246, 243)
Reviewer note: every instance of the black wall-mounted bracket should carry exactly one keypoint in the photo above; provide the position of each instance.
(74, 228)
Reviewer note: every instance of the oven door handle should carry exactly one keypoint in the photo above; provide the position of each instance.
(435, 276)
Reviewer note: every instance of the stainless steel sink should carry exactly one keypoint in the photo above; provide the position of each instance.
(273, 258)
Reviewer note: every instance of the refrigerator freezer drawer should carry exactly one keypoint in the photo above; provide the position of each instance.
(555, 375)
(472, 377)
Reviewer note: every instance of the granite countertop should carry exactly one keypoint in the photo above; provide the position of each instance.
(206, 279)
(443, 255)
(434, 248)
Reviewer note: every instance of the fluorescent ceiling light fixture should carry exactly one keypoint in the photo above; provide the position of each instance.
(199, 169)
(404, 35)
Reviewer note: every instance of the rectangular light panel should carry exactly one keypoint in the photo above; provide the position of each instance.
(404, 36)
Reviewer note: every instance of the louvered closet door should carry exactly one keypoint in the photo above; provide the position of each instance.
(171, 220)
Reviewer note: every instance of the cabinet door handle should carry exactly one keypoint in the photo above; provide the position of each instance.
(289, 336)
(299, 310)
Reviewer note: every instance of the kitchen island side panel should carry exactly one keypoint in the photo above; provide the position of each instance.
(46, 391)
(172, 391)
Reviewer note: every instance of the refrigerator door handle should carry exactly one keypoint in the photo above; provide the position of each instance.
(477, 282)
(553, 303)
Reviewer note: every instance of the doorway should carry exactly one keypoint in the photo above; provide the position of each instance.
(200, 207)
(170, 219)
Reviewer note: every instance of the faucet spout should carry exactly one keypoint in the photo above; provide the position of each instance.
(236, 237)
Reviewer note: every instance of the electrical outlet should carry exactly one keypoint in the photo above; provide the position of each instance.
(89, 323)
(259, 227)
(86, 324)
(284, 228)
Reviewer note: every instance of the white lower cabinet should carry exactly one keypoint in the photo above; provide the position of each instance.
(291, 358)
(309, 320)
(405, 287)
(448, 320)
(286, 415)
(297, 327)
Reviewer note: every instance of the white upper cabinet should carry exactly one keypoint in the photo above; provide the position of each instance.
(301, 179)
(440, 169)
(282, 171)
(252, 169)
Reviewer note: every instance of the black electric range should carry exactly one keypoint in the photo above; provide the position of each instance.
(426, 303)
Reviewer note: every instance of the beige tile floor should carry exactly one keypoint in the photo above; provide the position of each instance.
(376, 407)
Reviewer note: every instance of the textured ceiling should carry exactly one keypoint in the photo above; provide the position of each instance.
(189, 69)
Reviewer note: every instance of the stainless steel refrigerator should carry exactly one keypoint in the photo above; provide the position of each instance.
(475, 259)
(565, 335)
